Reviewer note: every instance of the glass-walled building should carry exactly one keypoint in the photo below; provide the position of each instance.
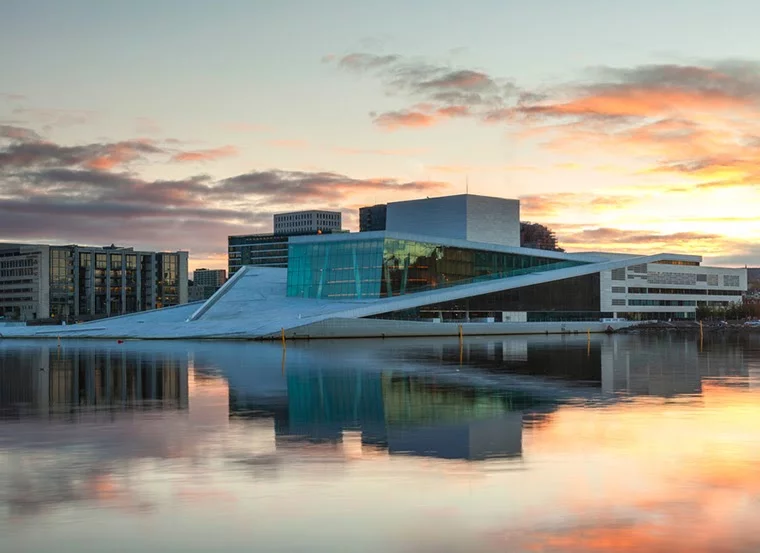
(379, 265)
(77, 283)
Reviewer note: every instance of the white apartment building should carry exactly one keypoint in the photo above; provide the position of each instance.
(312, 221)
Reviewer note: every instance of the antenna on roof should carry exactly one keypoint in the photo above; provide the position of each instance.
(467, 184)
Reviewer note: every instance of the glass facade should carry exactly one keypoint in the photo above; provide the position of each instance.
(384, 267)
(263, 250)
(570, 299)
(167, 285)
(61, 283)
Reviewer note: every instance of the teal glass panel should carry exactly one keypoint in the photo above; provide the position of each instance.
(377, 267)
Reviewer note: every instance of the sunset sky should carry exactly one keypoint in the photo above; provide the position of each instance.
(170, 124)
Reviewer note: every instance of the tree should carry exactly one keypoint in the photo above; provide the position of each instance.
(537, 236)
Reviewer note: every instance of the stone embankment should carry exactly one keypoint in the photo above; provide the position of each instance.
(711, 327)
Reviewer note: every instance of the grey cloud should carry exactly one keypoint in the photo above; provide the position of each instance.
(18, 133)
(437, 86)
(60, 193)
(732, 77)
(47, 154)
(363, 62)
(301, 185)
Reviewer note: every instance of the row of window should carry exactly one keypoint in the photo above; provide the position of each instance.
(683, 279)
(16, 263)
(7, 273)
(679, 291)
(679, 303)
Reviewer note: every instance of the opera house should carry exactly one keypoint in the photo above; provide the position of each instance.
(442, 266)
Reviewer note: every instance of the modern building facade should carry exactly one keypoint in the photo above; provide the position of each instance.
(298, 222)
(385, 265)
(271, 250)
(258, 250)
(372, 218)
(69, 283)
(209, 277)
(205, 283)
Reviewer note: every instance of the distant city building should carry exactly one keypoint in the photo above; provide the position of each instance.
(262, 250)
(271, 250)
(372, 217)
(196, 293)
(301, 222)
(205, 283)
(68, 283)
(209, 277)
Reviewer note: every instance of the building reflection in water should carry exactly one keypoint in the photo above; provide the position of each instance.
(57, 380)
(437, 399)
(420, 397)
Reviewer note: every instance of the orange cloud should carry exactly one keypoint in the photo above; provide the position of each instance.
(206, 155)
(638, 102)
(393, 120)
(397, 119)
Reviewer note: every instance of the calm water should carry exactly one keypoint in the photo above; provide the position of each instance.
(537, 444)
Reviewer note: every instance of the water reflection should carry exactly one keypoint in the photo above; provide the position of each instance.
(565, 443)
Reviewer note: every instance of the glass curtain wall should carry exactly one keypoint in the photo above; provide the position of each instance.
(385, 267)
(61, 283)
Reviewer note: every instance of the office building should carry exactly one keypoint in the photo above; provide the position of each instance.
(70, 283)
(301, 222)
(205, 283)
(372, 217)
(404, 283)
(209, 277)
(260, 250)
(271, 250)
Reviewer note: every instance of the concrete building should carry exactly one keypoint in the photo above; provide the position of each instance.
(271, 250)
(209, 277)
(205, 283)
(393, 283)
(298, 222)
(68, 283)
(372, 218)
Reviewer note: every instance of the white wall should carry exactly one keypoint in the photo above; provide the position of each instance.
(666, 276)
(493, 220)
(463, 217)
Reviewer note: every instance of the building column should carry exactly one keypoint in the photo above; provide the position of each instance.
(77, 291)
(123, 283)
(108, 283)
(153, 281)
(138, 283)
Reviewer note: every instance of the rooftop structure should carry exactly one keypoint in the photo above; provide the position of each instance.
(463, 217)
